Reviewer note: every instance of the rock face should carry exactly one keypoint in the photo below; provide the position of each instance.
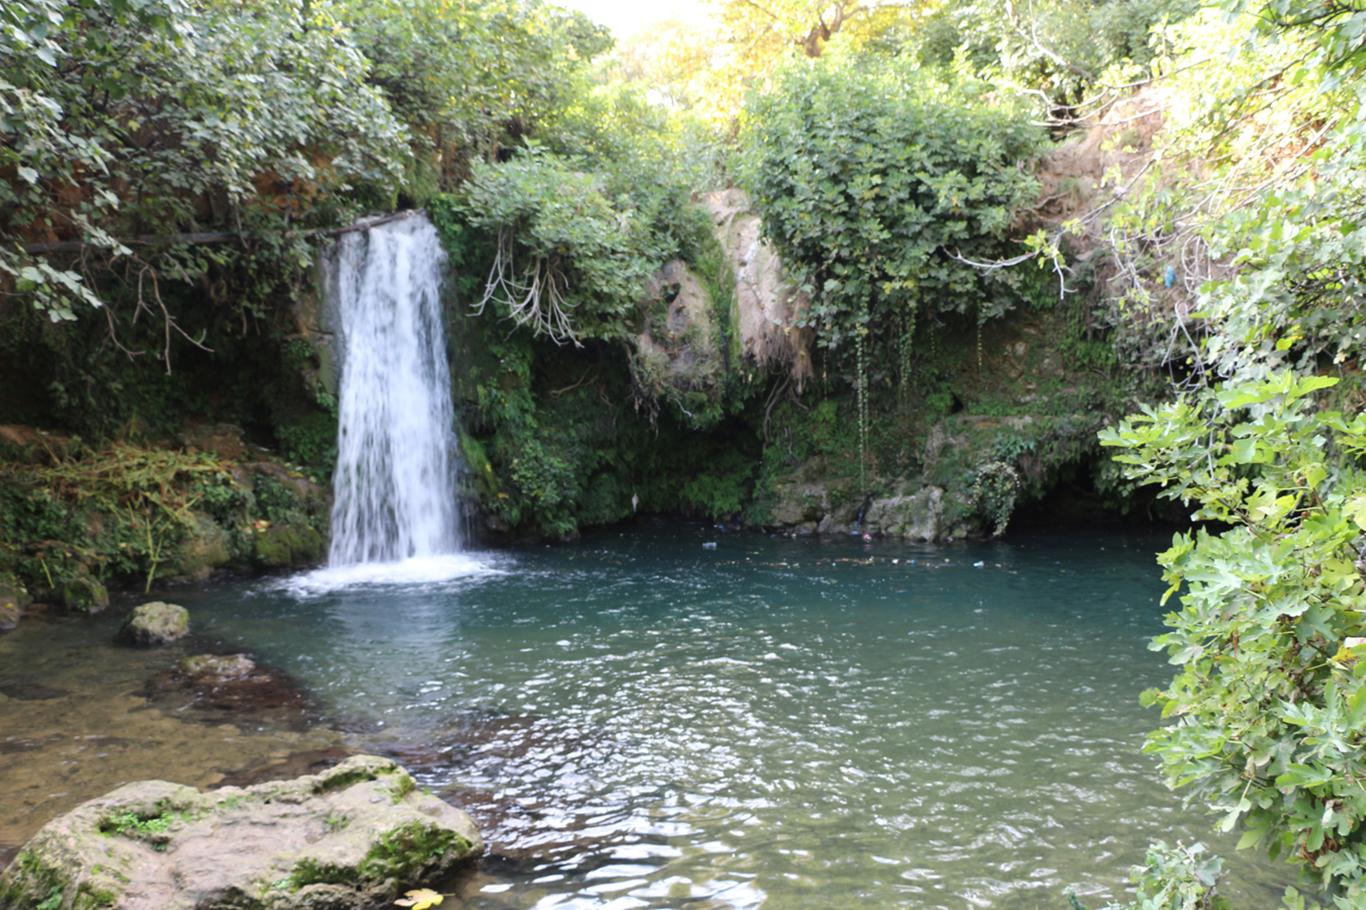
(678, 357)
(155, 623)
(768, 306)
(205, 547)
(688, 344)
(916, 516)
(355, 836)
(222, 439)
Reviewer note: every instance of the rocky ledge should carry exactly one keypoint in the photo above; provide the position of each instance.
(355, 836)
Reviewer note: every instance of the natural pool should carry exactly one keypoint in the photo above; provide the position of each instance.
(638, 720)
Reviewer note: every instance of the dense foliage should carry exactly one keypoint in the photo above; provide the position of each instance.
(1269, 709)
(879, 183)
(129, 119)
(1252, 210)
(874, 179)
(1061, 51)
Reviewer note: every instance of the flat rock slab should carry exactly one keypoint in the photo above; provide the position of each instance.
(354, 836)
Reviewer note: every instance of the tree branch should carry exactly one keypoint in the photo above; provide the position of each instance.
(209, 237)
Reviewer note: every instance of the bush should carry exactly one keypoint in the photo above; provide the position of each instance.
(1268, 710)
(871, 175)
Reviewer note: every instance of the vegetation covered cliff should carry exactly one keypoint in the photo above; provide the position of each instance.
(836, 266)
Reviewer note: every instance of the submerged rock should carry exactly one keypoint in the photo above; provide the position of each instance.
(217, 668)
(354, 836)
(155, 623)
(231, 689)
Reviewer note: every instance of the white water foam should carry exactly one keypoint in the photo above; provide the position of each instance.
(416, 570)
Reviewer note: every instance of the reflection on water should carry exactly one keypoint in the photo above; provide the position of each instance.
(638, 721)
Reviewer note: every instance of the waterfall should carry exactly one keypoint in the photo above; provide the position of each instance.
(395, 482)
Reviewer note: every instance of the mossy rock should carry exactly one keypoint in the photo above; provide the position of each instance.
(84, 594)
(14, 598)
(355, 836)
(206, 546)
(217, 667)
(288, 544)
(155, 623)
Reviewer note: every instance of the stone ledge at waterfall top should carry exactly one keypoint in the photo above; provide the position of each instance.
(354, 836)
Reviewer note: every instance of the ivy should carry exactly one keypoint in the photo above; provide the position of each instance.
(875, 179)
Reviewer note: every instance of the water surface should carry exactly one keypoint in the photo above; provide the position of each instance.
(640, 720)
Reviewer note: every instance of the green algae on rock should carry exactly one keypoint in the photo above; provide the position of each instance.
(353, 836)
(217, 667)
(155, 623)
(14, 597)
(290, 544)
(84, 593)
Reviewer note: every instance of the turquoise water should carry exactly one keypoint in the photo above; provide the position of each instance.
(639, 720)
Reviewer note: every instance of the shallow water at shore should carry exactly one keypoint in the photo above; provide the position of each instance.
(638, 721)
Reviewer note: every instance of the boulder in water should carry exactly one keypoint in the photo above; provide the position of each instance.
(354, 836)
(155, 623)
(215, 668)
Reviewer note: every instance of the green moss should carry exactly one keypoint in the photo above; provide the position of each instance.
(151, 827)
(203, 546)
(403, 853)
(292, 544)
(309, 871)
(400, 855)
(84, 594)
(310, 441)
(340, 778)
(403, 785)
(29, 876)
(89, 897)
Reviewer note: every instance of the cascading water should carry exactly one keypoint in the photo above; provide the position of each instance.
(395, 482)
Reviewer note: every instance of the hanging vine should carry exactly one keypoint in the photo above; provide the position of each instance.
(861, 357)
(906, 351)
